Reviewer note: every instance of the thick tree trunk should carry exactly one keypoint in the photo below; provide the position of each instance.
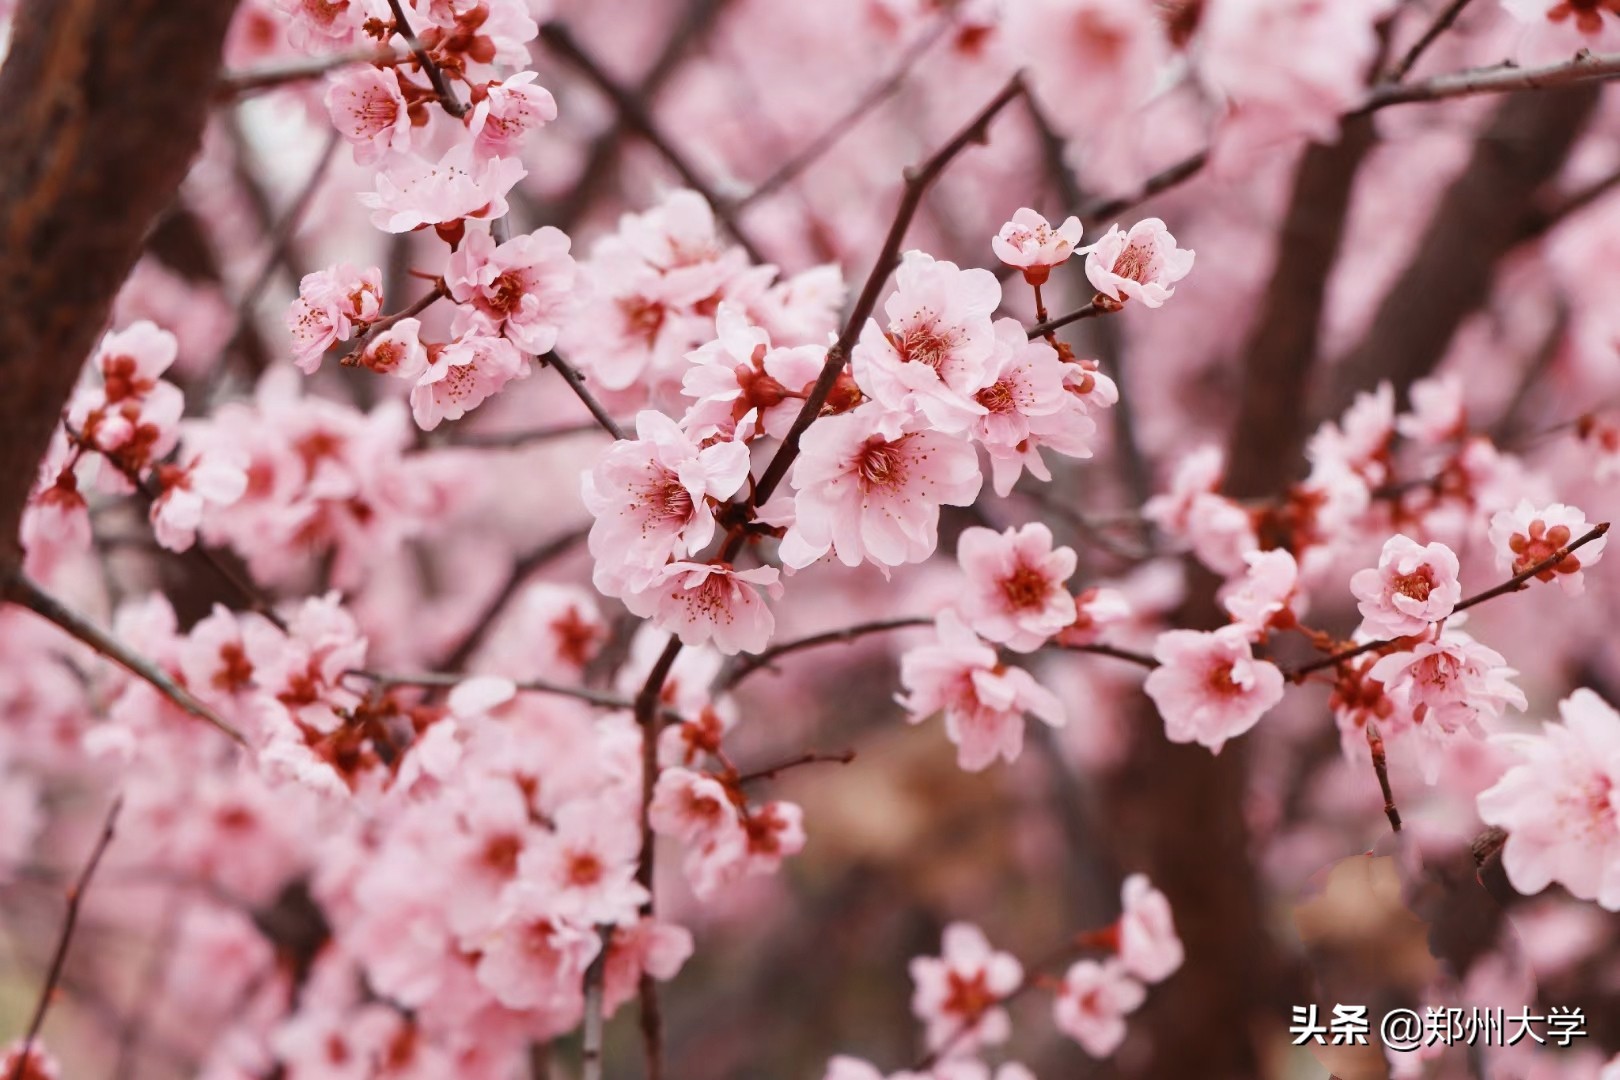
(102, 105)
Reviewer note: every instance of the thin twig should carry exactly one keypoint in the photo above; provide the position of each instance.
(233, 84)
(1090, 311)
(1499, 79)
(1099, 649)
(810, 757)
(562, 41)
(747, 665)
(75, 898)
(1512, 584)
(1375, 743)
(576, 383)
(441, 85)
(590, 1058)
(521, 571)
(1440, 25)
(439, 291)
(444, 680)
(650, 717)
(514, 440)
(24, 592)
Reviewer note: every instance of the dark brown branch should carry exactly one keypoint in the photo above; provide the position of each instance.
(917, 182)
(562, 41)
(1442, 22)
(650, 717)
(1512, 584)
(22, 591)
(435, 75)
(235, 84)
(521, 571)
(576, 383)
(747, 665)
(1161, 181)
(1099, 649)
(445, 680)
(1090, 311)
(770, 772)
(75, 898)
(1500, 79)
(514, 440)
(1375, 743)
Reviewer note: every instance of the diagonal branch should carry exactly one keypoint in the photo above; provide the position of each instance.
(747, 665)
(576, 383)
(23, 592)
(1442, 22)
(521, 570)
(434, 73)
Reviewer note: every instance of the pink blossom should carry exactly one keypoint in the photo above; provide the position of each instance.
(1016, 594)
(331, 305)
(507, 112)
(369, 110)
(651, 498)
(984, 700)
(958, 994)
(769, 834)
(1139, 265)
(1149, 948)
(1438, 414)
(185, 490)
(462, 376)
(1359, 441)
(1029, 243)
(413, 192)
(314, 25)
(1558, 804)
(1587, 17)
(647, 947)
(1096, 610)
(739, 379)
(1267, 597)
(707, 602)
(1032, 401)
(1093, 1003)
(1441, 688)
(532, 960)
(1090, 60)
(933, 355)
(692, 807)
(1414, 586)
(1209, 687)
(1527, 536)
(523, 288)
(585, 870)
(869, 485)
(398, 351)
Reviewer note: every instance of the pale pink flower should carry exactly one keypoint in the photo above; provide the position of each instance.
(1196, 473)
(413, 191)
(132, 360)
(769, 834)
(523, 288)
(331, 305)
(533, 960)
(934, 354)
(1016, 594)
(647, 947)
(1139, 265)
(1093, 1003)
(706, 602)
(1527, 536)
(869, 485)
(368, 109)
(1090, 61)
(1030, 403)
(1095, 610)
(585, 869)
(1558, 804)
(462, 376)
(651, 497)
(508, 111)
(318, 25)
(1359, 441)
(1222, 533)
(1267, 597)
(1209, 687)
(1029, 243)
(959, 994)
(1438, 414)
(740, 379)
(1441, 688)
(1413, 586)
(216, 478)
(692, 807)
(984, 701)
(1149, 948)
(398, 351)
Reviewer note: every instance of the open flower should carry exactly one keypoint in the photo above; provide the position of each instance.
(1209, 687)
(1092, 1005)
(1148, 944)
(368, 109)
(462, 376)
(709, 602)
(1016, 594)
(1414, 586)
(414, 192)
(1526, 536)
(1029, 243)
(958, 994)
(507, 111)
(1139, 265)
(523, 289)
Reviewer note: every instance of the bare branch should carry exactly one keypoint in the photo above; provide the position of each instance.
(1500, 79)
(747, 665)
(521, 571)
(235, 84)
(1442, 22)
(576, 383)
(435, 75)
(1129, 656)
(1090, 311)
(809, 757)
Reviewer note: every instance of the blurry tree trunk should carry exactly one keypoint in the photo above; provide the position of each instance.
(1178, 806)
(102, 105)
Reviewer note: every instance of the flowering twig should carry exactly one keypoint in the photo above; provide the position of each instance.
(1090, 311)
(513, 440)
(445, 680)
(435, 75)
(1442, 22)
(561, 41)
(439, 291)
(1375, 743)
(576, 383)
(1512, 584)
(233, 84)
(20, 590)
(521, 571)
(1500, 79)
(809, 757)
(590, 1055)
(1129, 656)
(747, 665)
(75, 897)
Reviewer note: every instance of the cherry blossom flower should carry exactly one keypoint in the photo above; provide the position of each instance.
(1096, 610)
(1527, 536)
(1029, 243)
(368, 109)
(523, 288)
(692, 807)
(1558, 803)
(1149, 948)
(462, 376)
(184, 491)
(649, 947)
(332, 304)
(508, 111)
(869, 485)
(397, 351)
(1209, 687)
(984, 701)
(1092, 1005)
(651, 499)
(1414, 586)
(1267, 597)
(313, 25)
(958, 994)
(532, 960)
(739, 376)
(1438, 414)
(1441, 688)
(1090, 60)
(769, 834)
(1030, 404)
(413, 192)
(1015, 580)
(933, 355)
(585, 870)
(1139, 265)
(707, 602)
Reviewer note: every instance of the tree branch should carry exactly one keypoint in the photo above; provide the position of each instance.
(1442, 22)
(435, 75)
(748, 664)
(1090, 311)
(235, 84)
(521, 570)
(576, 383)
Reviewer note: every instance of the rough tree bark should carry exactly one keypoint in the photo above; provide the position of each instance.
(102, 105)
